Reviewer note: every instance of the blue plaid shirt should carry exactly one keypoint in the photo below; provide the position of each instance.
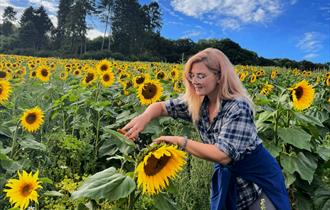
(233, 131)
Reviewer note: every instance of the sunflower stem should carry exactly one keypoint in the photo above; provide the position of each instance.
(14, 142)
(98, 121)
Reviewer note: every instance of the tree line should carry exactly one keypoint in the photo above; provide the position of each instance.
(131, 32)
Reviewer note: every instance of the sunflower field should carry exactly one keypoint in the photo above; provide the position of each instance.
(62, 148)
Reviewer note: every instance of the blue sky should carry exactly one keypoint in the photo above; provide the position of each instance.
(294, 29)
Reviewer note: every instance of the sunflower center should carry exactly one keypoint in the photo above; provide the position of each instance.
(149, 91)
(160, 75)
(3, 74)
(173, 73)
(299, 92)
(33, 74)
(31, 118)
(44, 72)
(104, 67)
(106, 77)
(89, 77)
(140, 80)
(0, 89)
(154, 165)
(26, 190)
(128, 84)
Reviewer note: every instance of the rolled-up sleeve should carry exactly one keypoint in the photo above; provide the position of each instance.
(177, 108)
(237, 131)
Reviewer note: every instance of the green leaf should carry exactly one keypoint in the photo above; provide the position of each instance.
(46, 180)
(124, 145)
(322, 198)
(53, 193)
(324, 152)
(303, 202)
(296, 137)
(310, 119)
(29, 143)
(107, 184)
(304, 164)
(162, 202)
(272, 148)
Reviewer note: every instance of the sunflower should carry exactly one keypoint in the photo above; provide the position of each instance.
(23, 190)
(178, 87)
(302, 95)
(140, 79)
(32, 119)
(158, 166)
(243, 75)
(274, 74)
(90, 77)
(4, 75)
(266, 89)
(64, 75)
(5, 90)
(327, 81)
(150, 92)
(33, 74)
(43, 73)
(77, 72)
(107, 79)
(253, 78)
(161, 75)
(103, 65)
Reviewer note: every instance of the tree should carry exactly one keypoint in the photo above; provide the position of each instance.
(106, 13)
(28, 34)
(76, 26)
(128, 27)
(58, 35)
(8, 17)
(153, 17)
(40, 25)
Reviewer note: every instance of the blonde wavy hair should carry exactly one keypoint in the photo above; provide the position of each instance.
(230, 85)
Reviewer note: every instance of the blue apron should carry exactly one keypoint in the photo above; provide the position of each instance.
(258, 167)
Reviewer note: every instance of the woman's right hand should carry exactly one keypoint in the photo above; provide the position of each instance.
(135, 126)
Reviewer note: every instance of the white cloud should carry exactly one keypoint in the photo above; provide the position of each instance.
(310, 44)
(230, 23)
(53, 18)
(93, 33)
(232, 14)
(7, 3)
(325, 11)
(50, 5)
(191, 34)
(310, 56)
(292, 2)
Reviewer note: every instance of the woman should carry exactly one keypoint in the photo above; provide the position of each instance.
(219, 106)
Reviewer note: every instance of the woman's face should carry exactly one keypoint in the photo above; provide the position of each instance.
(203, 80)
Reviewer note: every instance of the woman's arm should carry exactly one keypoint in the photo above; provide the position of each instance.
(205, 151)
(137, 124)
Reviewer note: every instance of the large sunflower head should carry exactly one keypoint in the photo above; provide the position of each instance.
(90, 77)
(157, 167)
(4, 74)
(5, 90)
(103, 66)
(43, 73)
(23, 190)
(140, 79)
(150, 91)
(107, 78)
(302, 95)
(32, 119)
(253, 78)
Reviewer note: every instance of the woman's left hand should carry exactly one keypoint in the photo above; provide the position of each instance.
(176, 140)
